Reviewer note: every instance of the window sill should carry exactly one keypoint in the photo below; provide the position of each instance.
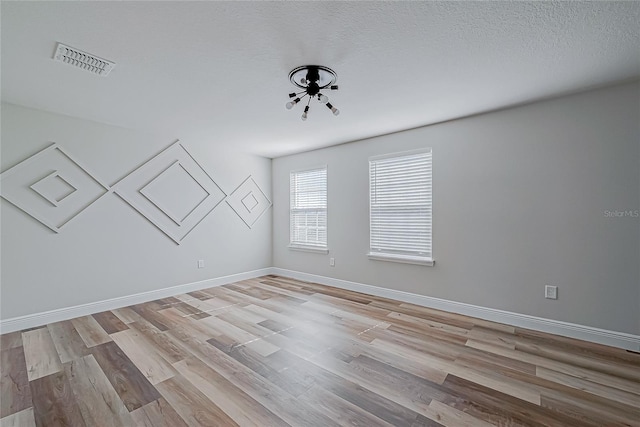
(405, 259)
(314, 249)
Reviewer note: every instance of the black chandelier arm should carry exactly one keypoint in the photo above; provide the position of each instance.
(293, 94)
(306, 110)
(292, 103)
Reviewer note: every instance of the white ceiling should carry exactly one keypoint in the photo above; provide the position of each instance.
(218, 71)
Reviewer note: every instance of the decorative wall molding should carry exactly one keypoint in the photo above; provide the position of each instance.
(43, 318)
(248, 201)
(172, 191)
(51, 187)
(571, 330)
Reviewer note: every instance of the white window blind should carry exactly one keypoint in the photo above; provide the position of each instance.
(308, 210)
(400, 206)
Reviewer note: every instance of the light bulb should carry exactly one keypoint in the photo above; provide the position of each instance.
(304, 116)
(303, 81)
(323, 98)
(292, 103)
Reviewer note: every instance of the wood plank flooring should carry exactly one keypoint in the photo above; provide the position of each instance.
(274, 351)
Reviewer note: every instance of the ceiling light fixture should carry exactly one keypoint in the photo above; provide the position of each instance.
(313, 79)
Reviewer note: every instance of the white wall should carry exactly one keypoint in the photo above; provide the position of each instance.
(519, 201)
(110, 250)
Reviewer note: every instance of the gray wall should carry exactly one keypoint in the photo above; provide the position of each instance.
(519, 201)
(110, 250)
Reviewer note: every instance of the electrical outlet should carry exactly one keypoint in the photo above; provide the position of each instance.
(332, 262)
(200, 263)
(550, 292)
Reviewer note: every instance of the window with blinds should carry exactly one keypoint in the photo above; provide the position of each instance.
(400, 207)
(308, 209)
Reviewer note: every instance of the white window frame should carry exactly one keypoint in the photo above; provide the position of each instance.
(301, 246)
(404, 256)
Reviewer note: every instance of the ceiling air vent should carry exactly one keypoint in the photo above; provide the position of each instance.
(83, 60)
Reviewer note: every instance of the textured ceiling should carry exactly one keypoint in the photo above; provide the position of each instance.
(218, 70)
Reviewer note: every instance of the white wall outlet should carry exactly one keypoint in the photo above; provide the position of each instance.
(200, 263)
(332, 262)
(550, 292)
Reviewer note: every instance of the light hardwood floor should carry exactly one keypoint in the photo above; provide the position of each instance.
(275, 351)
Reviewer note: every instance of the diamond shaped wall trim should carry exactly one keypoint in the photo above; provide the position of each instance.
(249, 202)
(172, 191)
(51, 187)
(157, 199)
(46, 188)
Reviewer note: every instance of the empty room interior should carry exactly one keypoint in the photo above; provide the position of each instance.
(320, 213)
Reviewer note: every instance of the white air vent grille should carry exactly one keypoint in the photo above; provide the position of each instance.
(83, 60)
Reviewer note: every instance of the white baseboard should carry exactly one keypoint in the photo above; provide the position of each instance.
(39, 319)
(571, 330)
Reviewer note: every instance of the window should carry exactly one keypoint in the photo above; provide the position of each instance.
(400, 207)
(308, 210)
